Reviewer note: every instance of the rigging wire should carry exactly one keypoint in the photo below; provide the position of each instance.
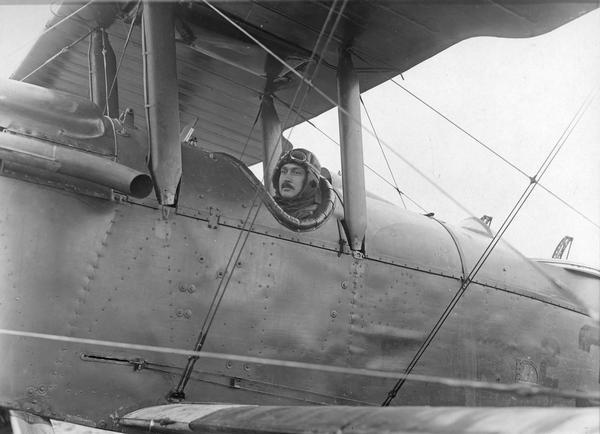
(215, 303)
(488, 250)
(29, 41)
(251, 208)
(460, 128)
(61, 51)
(373, 171)
(382, 151)
(334, 103)
(244, 233)
(309, 88)
(568, 205)
(129, 32)
(313, 74)
(331, 101)
(504, 159)
(249, 136)
(521, 389)
(90, 90)
(201, 354)
(104, 41)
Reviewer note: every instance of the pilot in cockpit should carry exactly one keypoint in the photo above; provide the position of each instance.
(296, 183)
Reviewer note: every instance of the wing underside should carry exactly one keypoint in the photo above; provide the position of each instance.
(249, 419)
(221, 71)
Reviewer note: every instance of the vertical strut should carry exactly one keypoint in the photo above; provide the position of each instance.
(103, 69)
(272, 140)
(162, 103)
(353, 176)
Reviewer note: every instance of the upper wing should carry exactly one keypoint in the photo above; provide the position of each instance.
(251, 419)
(221, 72)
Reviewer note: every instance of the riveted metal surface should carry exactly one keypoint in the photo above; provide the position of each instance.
(65, 248)
(118, 268)
(53, 179)
(411, 238)
(506, 268)
(214, 179)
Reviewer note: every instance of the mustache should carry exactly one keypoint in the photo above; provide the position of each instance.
(287, 184)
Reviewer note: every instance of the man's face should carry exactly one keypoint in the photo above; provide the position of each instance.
(291, 180)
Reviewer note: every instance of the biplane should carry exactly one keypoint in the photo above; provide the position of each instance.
(151, 283)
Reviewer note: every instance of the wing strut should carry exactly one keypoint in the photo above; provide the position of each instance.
(272, 140)
(103, 70)
(274, 144)
(353, 174)
(162, 100)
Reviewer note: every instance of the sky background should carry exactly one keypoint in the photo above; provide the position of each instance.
(515, 95)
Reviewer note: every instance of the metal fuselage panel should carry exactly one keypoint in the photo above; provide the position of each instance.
(121, 271)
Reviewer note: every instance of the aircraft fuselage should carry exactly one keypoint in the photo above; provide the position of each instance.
(125, 270)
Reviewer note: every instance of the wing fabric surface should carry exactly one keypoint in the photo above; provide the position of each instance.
(198, 418)
(221, 71)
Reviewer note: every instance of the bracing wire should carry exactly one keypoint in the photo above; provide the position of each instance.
(320, 59)
(488, 250)
(129, 32)
(229, 275)
(198, 354)
(60, 52)
(105, 109)
(341, 109)
(256, 197)
(249, 136)
(244, 233)
(216, 300)
(49, 29)
(491, 150)
(331, 139)
(518, 388)
(331, 101)
(382, 151)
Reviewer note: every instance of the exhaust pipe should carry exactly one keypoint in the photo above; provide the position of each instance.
(72, 162)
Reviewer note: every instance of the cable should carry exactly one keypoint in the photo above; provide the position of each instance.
(334, 103)
(62, 51)
(178, 392)
(488, 250)
(249, 136)
(106, 93)
(229, 275)
(327, 42)
(247, 232)
(508, 162)
(244, 233)
(459, 127)
(48, 29)
(382, 151)
(112, 86)
(373, 171)
(568, 205)
(520, 389)
(331, 101)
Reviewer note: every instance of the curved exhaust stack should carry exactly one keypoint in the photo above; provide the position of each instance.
(30, 108)
(72, 162)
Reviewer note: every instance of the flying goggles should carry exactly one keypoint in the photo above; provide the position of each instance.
(301, 157)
